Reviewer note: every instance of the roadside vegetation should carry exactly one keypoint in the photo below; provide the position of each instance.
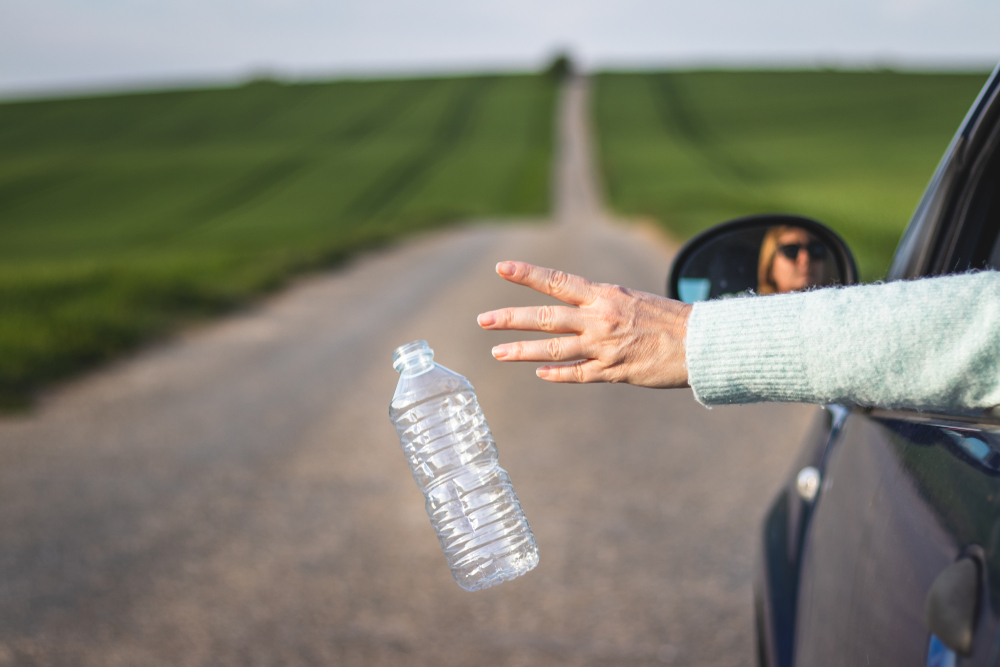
(851, 149)
(121, 216)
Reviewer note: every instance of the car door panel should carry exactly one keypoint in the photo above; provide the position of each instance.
(901, 501)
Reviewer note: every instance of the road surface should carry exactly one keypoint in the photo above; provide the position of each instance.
(237, 496)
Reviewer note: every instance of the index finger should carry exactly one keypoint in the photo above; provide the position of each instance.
(564, 286)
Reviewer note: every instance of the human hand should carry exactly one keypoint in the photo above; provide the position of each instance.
(620, 335)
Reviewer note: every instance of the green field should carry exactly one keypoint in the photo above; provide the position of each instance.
(851, 149)
(122, 215)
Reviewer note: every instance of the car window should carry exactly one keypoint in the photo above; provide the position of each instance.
(994, 261)
(979, 244)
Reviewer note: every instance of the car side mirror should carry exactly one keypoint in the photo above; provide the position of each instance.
(760, 254)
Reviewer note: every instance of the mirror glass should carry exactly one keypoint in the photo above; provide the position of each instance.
(758, 259)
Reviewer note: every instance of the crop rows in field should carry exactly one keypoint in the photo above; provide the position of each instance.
(121, 214)
(851, 149)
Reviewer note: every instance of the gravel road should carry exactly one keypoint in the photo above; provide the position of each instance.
(237, 496)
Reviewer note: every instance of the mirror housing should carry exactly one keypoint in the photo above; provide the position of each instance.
(728, 259)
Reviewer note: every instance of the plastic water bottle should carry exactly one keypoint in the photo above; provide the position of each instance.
(451, 452)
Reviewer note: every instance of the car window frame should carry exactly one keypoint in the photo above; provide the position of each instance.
(932, 224)
(952, 255)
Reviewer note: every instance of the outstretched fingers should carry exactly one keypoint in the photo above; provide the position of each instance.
(552, 319)
(564, 286)
(587, 370)
(566, 348)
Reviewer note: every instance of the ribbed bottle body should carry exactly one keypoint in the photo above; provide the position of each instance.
(470, 500)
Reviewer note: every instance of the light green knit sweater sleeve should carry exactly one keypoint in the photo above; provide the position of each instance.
(924, 344)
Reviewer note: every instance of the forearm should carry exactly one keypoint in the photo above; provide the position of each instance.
(923, 344)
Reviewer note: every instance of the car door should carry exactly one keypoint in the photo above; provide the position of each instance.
(900, 559)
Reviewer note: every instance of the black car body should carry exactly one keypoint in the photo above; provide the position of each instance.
(886, 551)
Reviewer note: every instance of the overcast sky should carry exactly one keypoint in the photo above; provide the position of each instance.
(51, 45)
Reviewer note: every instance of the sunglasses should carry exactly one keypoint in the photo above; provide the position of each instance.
(816, 250)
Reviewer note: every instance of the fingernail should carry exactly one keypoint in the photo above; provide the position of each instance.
(487, 319)
(542, 372)
(500, 351)
(505, 268)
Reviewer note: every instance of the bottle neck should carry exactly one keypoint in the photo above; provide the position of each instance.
(416, 365)
(413, 358)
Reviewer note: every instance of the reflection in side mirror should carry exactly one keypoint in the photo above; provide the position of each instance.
(761, 254)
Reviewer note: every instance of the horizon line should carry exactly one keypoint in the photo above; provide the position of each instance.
(126, 85)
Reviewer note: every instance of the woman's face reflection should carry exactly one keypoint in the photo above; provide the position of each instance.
(795, 265)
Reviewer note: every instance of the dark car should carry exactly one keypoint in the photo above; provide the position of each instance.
(884, 546)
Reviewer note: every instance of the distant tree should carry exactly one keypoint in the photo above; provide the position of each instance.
(264, 77)
(560, 67)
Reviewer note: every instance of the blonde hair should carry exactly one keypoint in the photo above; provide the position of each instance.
(768, 249)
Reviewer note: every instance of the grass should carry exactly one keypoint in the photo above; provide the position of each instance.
(854, 150)
(121, 216)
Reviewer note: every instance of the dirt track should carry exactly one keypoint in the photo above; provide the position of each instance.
(237, 496)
